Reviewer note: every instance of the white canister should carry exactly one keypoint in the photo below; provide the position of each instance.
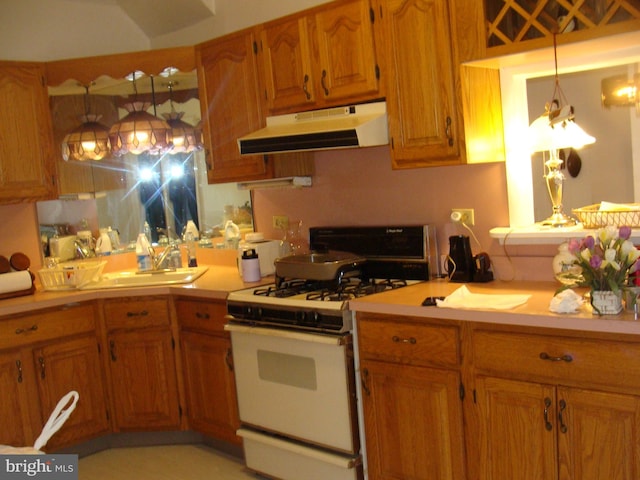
(103, 244)
(250, 266)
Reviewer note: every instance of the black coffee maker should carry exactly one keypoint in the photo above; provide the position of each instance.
(463, 266)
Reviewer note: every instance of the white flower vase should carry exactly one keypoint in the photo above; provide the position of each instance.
(606, 302)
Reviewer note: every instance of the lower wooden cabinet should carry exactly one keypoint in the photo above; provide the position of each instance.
(553, 407)
(210, 390)
(142, 364)
(43, 356)
(411, 397)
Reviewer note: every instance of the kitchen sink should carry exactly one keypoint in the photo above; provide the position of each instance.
(132, 278)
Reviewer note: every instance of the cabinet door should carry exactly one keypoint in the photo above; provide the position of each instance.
(230, 104)
(143, 376)
(286, 56)
(516, 431)
(347, 67)
(413, 422)
(598, 435)
(420, 82)
(72, 365)
(210, 385)
(18, 406)
(26, 139)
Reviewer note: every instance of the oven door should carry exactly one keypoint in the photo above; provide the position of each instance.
(299, 385)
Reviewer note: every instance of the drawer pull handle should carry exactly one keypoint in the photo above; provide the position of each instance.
(410, 340)
(228, 359)
(305, 87)
(142, 313)
(547, 404)
(202, 316)
(447, 131)
(562, 358)
(32, 328)
(563, 407)
(42, 367)
(364, 377)
(323, 82)
(112, 350)
(19, 365)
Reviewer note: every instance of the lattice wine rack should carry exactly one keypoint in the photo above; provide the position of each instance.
(515, 21)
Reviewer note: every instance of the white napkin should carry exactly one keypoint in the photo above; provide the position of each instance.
(618, 207)
(463, 298)
(566, 301)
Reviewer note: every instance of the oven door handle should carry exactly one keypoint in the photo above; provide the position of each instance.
(294, 335)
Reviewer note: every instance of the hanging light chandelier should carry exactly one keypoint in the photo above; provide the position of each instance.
(139, 131)
(186, 138)
(89, 141)
(556, 129)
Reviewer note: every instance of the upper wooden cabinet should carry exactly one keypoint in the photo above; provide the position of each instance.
(230, 105)
(417, 60)
(26, 142)
(325, 56)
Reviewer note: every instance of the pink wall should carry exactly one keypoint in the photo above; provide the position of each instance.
(358, 187)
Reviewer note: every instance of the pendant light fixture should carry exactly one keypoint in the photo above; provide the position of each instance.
(90, 141)
(556, 129)
(139, 131)
(186, 138)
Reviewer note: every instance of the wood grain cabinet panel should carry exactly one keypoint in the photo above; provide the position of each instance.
(554, 407)
(52, 353)
(27, 165)
(231, 106)
(141, 364)
(320, 58)
(207, 362)
(412, 414)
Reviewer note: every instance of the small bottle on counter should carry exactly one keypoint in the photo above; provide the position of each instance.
(191, 250)
(142, 253)
(250, 266)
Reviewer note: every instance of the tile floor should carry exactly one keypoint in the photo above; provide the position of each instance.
(174, 462)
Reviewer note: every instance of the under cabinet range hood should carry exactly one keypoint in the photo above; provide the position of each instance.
(362, 125)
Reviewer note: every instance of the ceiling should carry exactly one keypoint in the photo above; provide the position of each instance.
(158, 17)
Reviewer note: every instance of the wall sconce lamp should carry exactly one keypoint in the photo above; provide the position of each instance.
(619, 91)
(139, 131)
(556, 129)
(89, 141)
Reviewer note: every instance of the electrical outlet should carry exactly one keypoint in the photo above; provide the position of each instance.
(463, 215)
(280, 221)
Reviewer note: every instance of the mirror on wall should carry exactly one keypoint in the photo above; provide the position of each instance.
(123, 192)
(603, 171)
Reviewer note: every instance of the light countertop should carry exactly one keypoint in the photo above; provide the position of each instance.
(534, 313)
(219, 280)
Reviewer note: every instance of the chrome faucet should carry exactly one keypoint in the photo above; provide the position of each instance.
(163, 261)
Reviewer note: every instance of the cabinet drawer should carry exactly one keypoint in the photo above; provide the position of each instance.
(137, 313)
(558, 359)
(409, 342)
(207, 316)
(46, 325)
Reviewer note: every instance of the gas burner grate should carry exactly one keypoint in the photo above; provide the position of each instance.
(355, 288)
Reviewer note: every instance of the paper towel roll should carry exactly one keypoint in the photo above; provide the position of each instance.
(15, 281)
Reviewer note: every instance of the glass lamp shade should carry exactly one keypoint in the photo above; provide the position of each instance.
(564, 134)
(90, 141)
(140, 132)
(185, 137)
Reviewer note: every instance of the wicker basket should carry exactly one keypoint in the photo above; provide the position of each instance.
(592, 217)
(70, 275)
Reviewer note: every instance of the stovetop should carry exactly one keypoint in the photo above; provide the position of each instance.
(305, 304)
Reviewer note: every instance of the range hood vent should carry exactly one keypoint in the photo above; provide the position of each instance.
(363, 125)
